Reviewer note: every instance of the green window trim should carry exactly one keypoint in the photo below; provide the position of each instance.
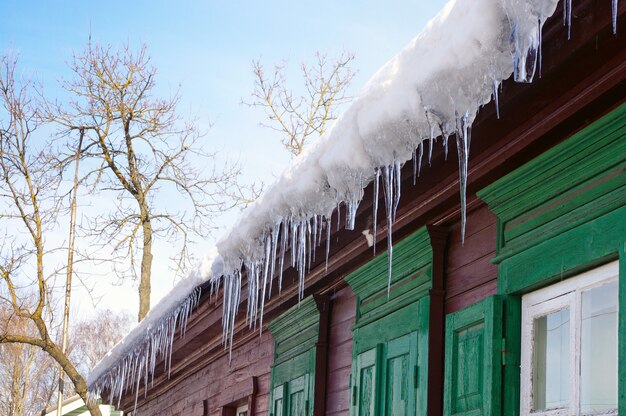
(390, 336)
(295, 335)
(559, 215)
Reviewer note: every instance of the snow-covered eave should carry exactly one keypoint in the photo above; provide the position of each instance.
(151, 340)
(433, 88)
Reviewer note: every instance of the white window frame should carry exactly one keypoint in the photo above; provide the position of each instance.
(241, 409)
(544, 301)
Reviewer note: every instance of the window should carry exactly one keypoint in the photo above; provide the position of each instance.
(242, 410)
(569, 346)
(390, 337)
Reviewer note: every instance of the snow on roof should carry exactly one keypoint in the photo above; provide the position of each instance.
(432, 88)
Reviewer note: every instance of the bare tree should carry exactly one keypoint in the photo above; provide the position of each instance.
(27, 375)
(150, 160)
(93, 338)
(300, 118)
(30, 207)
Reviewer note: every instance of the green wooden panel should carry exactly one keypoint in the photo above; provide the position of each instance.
(472, 361)
(511, 354)
(408, 319)
(565, 255)
(411, 278)
(621, 352)
(278, 402)
(296, 330)
(399, 369)
(386, 378)
(365, 388)
(575, 182)
(295, 333)
(294, 367)
(298, 396)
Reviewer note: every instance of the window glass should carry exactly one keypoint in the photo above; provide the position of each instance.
(598, 355)
(551, 360)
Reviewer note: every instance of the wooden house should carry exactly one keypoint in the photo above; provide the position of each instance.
(527, 315)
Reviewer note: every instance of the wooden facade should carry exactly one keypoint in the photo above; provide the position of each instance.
(546, 197)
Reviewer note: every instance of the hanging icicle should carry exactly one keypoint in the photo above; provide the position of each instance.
(463, 139)
(375, 205)
(614, 16)
(125, 377)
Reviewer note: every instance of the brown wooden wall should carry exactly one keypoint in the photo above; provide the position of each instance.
(342, 318)
(470, 275)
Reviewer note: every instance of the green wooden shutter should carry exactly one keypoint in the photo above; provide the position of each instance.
(278, 402)
(364, 390)
(399, 375)
(473, 360)
(298, 389)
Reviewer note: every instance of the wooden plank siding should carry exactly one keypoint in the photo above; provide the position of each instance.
(470, 274)
(340, 352)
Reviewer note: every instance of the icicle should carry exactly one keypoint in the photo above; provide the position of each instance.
(375, 205)
(351, 209)
(524, 55)
(302, 253)
(463, 140)
(430, 145)
(283, 248)
(338, 215)
(294, 237)
(496, 101)
(388, 173)
(614, 16)
(274, 235)
(445, 145)
(138, 365)
(266, 269)
(539, 46)
(309, 249)
(414, 170)
(569, 19)
(328, 225)
(419, 158)
(397, 185)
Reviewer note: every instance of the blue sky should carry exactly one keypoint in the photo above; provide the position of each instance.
(205, 48)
